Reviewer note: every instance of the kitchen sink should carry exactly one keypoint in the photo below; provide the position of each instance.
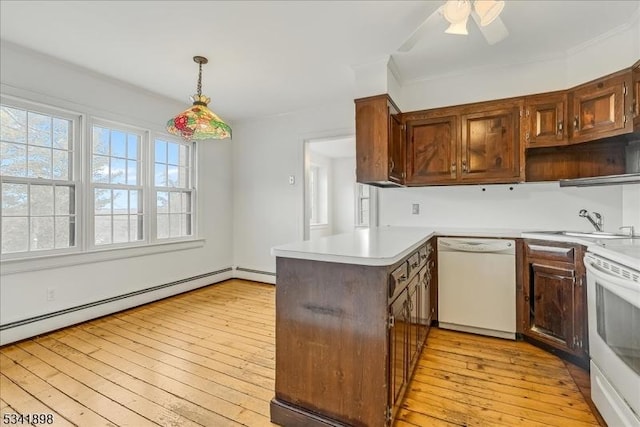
(587, 234)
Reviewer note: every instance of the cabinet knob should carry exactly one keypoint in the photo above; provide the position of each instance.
(576, 123)
(464, 166)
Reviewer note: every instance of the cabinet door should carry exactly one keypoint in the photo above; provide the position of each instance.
(550, 298)
(396, 147)
(413, 311)
(598, 109)
(431, 150)
(491, 145)
(635, 107)
(545, 120)
(398, 348)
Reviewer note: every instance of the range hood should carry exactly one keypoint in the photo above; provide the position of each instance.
(627, 178)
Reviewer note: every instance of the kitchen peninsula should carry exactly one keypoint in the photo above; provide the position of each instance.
(341, 358)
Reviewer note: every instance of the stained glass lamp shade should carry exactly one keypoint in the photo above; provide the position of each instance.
(198, 122)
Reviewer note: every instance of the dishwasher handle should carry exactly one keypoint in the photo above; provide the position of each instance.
(477, 245)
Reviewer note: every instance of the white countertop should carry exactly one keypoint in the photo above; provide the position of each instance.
(383, 246)
(376, 246)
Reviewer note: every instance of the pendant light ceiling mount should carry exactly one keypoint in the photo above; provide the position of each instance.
(199, 122)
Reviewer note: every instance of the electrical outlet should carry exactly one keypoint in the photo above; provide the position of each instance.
(415, 208)
(51, 294)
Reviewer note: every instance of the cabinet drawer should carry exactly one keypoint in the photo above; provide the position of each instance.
(555, 253)
(426, 252)
(397, 279)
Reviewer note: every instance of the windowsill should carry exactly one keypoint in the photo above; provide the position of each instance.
(45, 262)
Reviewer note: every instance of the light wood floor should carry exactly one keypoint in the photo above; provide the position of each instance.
(207, 358)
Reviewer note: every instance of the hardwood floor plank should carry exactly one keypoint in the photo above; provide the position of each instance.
(207, 358)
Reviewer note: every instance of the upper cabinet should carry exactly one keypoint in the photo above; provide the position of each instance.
(635, 101)
(545, 120)
(380, 148)
(598, 108)
(469, 144)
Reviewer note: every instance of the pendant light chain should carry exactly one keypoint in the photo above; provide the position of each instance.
(199, 89)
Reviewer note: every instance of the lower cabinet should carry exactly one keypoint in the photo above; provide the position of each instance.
(554, 296)
(348, 338)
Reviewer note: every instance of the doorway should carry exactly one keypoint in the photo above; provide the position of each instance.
(334, 202)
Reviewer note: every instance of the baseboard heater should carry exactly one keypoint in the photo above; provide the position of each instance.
(248, 270)
(107, 300)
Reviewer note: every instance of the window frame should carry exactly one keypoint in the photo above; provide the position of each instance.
(77, 121)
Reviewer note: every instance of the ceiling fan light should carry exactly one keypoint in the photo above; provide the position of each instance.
(456, 11)
(459, 28)
(488, 10)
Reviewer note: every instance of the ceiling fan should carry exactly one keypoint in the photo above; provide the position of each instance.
(485, 13)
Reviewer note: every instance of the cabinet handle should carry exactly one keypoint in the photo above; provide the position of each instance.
(576, 123)
(392, 165)
(402, 278)
(464, 166)
(527, 136)
(560, 126)
(453, 168)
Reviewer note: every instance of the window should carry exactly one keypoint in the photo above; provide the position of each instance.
(363, 202)
(173, 189)
(318, 183)
(116, 184)
(62, 193)
(37, 157)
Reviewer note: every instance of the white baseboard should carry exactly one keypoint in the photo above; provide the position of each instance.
(27, 328)
(255, 275)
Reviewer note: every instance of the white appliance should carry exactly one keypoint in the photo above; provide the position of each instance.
(613, 304)
(477, 286)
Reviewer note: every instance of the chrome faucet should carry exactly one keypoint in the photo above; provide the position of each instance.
(597, 223)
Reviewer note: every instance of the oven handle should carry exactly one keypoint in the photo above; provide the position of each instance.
(609, 278)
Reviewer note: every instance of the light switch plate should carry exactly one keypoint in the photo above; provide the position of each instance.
(292, 179)
(415, 208)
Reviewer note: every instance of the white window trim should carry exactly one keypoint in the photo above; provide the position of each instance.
(83, 252)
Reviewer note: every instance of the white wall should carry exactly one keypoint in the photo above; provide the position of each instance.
(23, 294)
(530, 206)
(267, 210)
(344, 187)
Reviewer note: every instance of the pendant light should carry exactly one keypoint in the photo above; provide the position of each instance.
(199, 122)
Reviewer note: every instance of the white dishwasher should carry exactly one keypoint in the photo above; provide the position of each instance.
(477, 286)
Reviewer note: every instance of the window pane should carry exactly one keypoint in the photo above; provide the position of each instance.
(173, 154)
(14, 200)
(172, 176)
(135, 206)
(64, 232)
(132, 172)
(102, 235)
(42, 233)
(41, 200)
(61, 134)
(175, 205)
(13, 159)
(100, 165)
(174, 225)
(15, 234)
(39, 163)
(118, 171)
(162, 203)
(61, 164)
(120, 228)
(39, 129)
(120, 201)
(182, 181)
(135, 228)
(100, 140)
(65, 199)
(184, 155)
(133, 142)
(118, 144)
(13, 125)
(161, 151)
(102, 201)
(161, 175)
(162, 226)
(186, 201)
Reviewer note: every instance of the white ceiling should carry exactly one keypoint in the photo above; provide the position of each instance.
(272, 57)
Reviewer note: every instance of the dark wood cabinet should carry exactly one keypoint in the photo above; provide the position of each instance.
(348, 338)
(635, 101)
(475, 143)
(380, 148)
(599, 108)
(545, 120)
(432, 154)
(554, 298)
(490, 143)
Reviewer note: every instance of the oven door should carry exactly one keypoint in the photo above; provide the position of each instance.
(613, 305)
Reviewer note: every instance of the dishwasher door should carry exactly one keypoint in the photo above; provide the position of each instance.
(477, 286)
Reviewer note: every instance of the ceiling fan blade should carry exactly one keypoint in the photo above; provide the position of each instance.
(494, 32)
(421, 31)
